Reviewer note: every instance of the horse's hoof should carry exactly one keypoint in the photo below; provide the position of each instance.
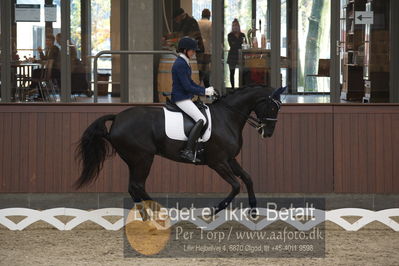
(214, 211)
(253, 213)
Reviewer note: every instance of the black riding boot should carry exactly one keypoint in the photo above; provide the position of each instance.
(195, 133)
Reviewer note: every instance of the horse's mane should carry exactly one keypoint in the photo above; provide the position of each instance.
(235, 92)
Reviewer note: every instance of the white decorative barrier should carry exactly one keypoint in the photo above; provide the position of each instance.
(97, 216)
(48, 216)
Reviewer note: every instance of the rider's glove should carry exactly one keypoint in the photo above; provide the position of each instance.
(209, 91)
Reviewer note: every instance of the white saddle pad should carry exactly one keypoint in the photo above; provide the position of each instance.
(174, 127)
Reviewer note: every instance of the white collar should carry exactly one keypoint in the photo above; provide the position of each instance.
(185, 58)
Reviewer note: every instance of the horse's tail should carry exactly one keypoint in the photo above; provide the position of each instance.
(92, 150)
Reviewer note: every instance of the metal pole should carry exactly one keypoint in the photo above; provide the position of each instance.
(394, 51)
(124, 45)
(65, 92)
(95, 64)
(335, 84)
(293, 53)
(217, 65)
(275, 8)
(5, 58)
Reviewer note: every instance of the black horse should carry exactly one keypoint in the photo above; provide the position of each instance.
(138, 134)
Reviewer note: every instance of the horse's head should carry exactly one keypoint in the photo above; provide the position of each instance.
(266, 110)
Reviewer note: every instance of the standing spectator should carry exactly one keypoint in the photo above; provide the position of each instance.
(185, 25)
(236, 39)
(204, 59)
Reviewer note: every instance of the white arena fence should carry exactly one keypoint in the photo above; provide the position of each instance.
(97, 216)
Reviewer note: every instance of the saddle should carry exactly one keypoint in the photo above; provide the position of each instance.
(187, 120)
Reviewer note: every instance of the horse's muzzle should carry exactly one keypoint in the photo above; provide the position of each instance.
(262, 130)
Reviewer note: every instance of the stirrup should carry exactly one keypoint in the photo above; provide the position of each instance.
(189, 156)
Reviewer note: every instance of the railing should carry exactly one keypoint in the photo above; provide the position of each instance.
(95, 90)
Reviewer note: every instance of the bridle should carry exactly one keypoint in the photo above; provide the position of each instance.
(277, 104)
(256, 123)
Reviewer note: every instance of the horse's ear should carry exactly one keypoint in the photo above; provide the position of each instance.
(277, 93)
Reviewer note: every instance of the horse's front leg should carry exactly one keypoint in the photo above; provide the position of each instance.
(225, 171)
(246, 178)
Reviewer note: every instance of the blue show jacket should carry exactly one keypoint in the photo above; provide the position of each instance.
(183, 86)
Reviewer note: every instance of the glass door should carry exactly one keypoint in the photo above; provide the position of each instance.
(91, 27)
(237, 25)
(75, 41)
(305, 50)
(314, 23)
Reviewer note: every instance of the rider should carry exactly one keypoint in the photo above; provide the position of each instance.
(183, 90)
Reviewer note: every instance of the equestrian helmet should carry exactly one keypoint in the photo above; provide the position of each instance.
(188, 44)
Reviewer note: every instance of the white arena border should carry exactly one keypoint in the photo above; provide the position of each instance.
(96, 216)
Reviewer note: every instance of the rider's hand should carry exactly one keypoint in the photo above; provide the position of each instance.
(209, 91)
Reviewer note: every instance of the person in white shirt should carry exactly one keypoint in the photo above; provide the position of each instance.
(204, 59)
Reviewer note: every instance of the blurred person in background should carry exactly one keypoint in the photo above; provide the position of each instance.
(186, 26)
(204, 59)
(236, 39)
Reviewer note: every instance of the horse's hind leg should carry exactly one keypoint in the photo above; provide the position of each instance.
(225, 171)
(139, 171)
(132, 186)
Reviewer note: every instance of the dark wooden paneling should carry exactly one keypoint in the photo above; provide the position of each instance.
(366, 149)
(298, 156)
(315, 148)
(7, 147)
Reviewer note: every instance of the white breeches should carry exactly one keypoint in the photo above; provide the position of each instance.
(191, 109)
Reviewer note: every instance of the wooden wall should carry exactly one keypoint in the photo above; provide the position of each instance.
(299, 156)
(315, 149)
(366, 149)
